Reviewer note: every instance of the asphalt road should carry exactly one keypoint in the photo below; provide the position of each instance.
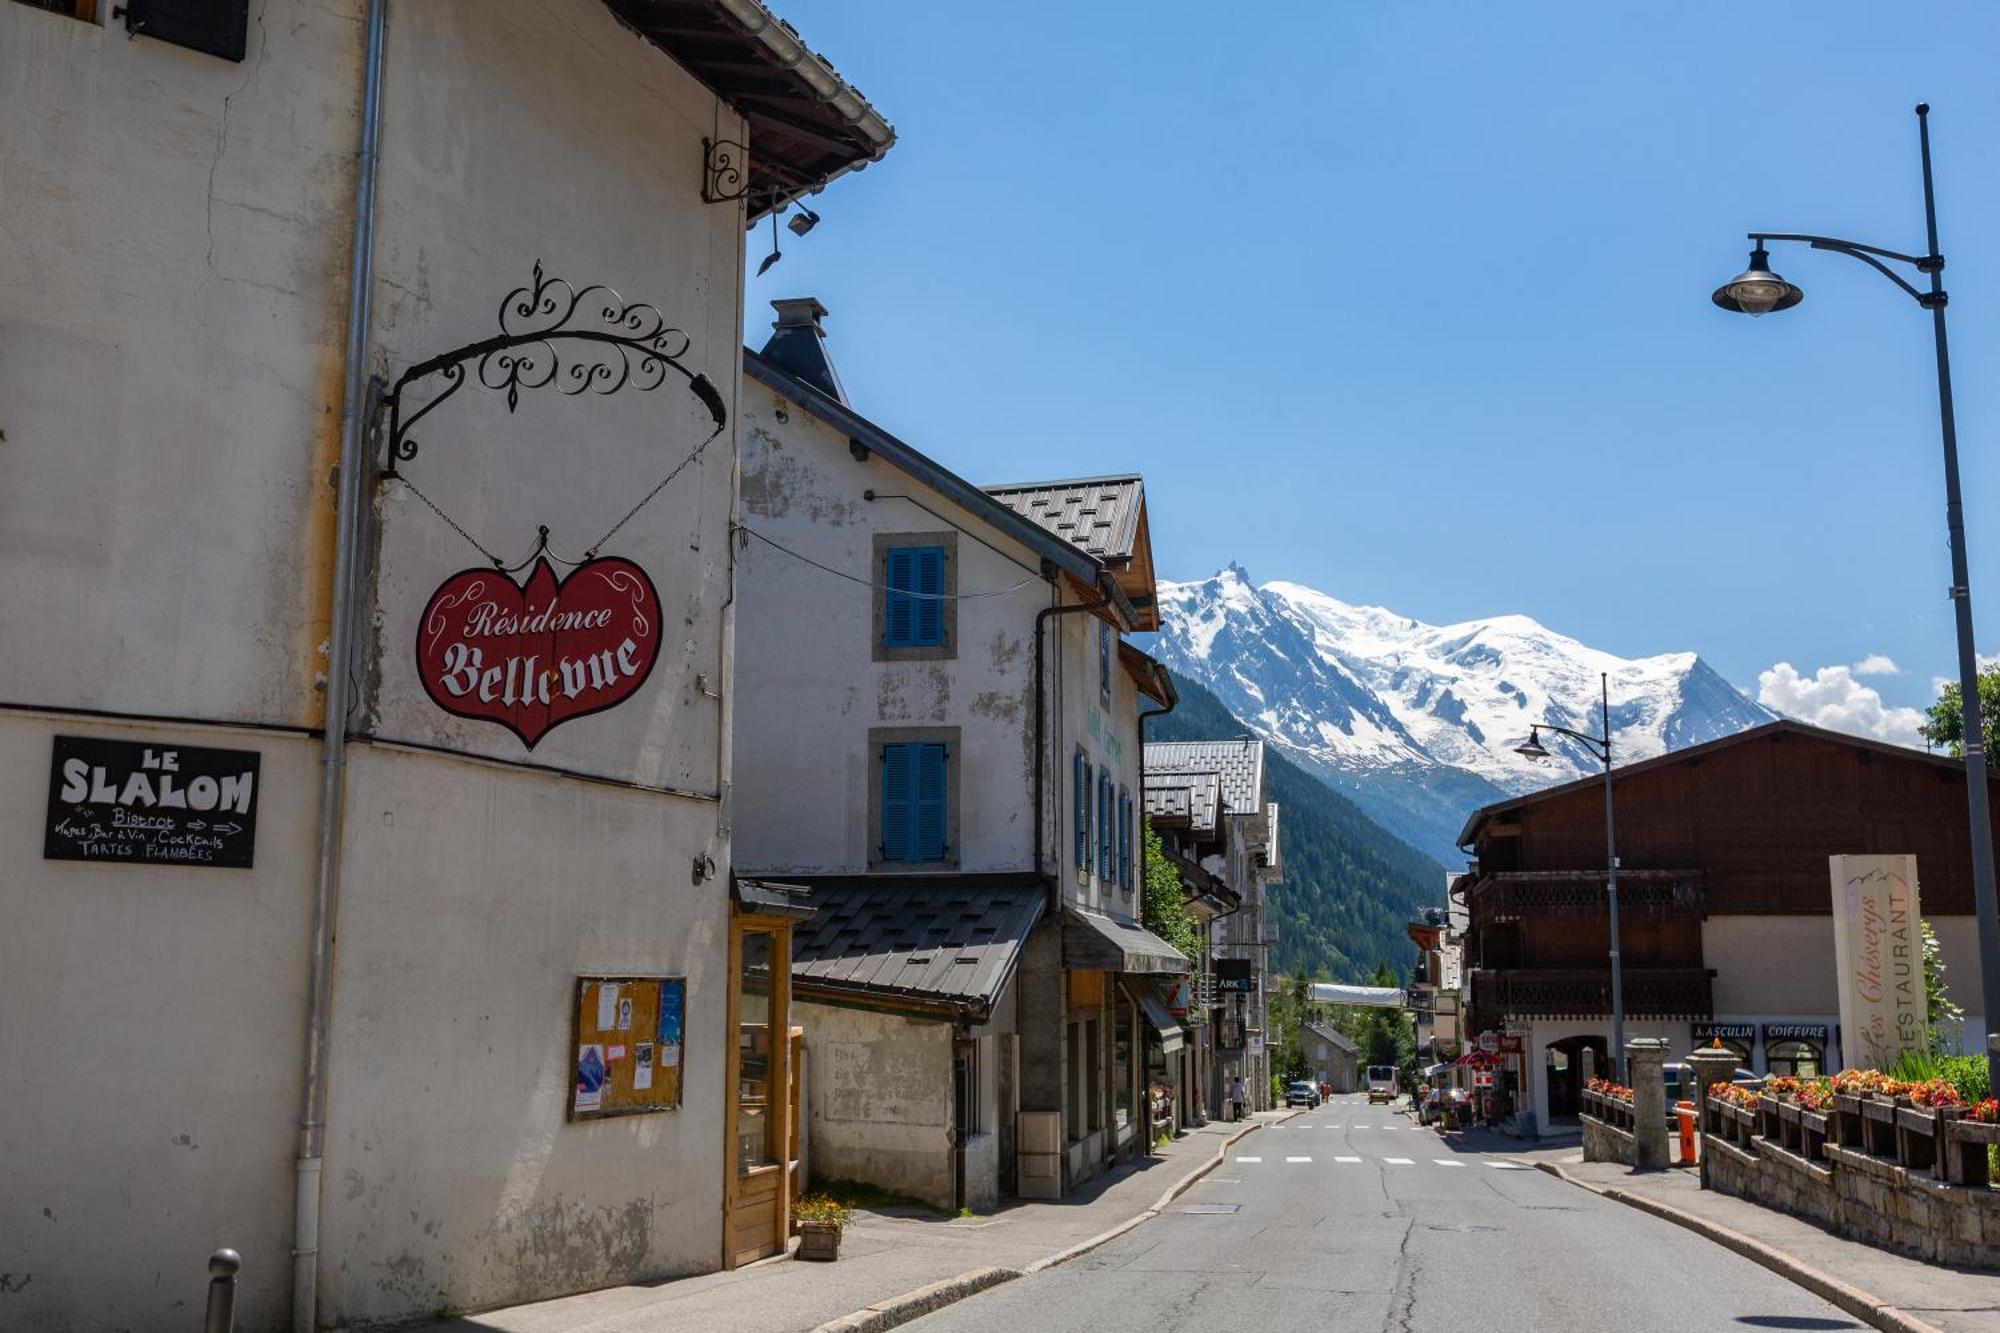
(1347, 1218)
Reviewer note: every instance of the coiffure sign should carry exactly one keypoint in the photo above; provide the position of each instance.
(1878, 957)
(535, 655)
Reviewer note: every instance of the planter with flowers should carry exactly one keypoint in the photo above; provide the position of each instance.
(820, 1220)
(1967, 1140)
(1920, 1125)
(1815, 1103)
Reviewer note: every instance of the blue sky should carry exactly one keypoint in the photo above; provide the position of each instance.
(1410, 303)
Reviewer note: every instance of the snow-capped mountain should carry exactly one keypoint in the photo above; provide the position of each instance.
(1417, 722)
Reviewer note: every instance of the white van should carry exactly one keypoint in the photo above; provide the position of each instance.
(1381, 1083)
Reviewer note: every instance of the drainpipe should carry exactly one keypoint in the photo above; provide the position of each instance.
(333, 743)
(1042, 758)
(961, 1055)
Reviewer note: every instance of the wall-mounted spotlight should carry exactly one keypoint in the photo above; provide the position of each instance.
(803, 221)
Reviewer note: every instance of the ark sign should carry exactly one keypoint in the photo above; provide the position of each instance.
(534, 655)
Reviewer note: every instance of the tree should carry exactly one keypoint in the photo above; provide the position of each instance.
(1947, 1020)
(1162, 907)
(1944, 721)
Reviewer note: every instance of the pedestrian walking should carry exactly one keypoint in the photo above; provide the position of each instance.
(1236, 1098)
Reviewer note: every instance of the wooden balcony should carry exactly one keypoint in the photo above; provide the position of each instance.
(1513, 895)
(1650, 992)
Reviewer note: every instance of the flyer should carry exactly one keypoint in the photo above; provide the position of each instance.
(642, 1066)
(591, 1076)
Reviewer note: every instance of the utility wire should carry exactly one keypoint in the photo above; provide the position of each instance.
(883, 587)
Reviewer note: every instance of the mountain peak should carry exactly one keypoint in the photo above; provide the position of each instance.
(1421, 720)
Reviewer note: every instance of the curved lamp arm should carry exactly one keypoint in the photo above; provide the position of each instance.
(1871, 255)
(1598, 743)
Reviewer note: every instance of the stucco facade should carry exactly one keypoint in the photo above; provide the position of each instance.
(173, 304)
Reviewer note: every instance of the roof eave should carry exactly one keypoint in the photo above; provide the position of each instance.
(1064, 555)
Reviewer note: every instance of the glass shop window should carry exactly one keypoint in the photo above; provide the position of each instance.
(754, 1120)
(1798, 1059)
(1121, 1065)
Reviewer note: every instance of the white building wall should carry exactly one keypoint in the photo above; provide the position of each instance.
(172, 304)
(806, 653)
(880, 1099)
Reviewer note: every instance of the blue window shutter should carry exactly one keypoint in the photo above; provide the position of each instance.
(913, 597)
(1089, 799)
(1104, 824)
(1104, 659)
(1079, 782)
(929, 579)
(898, 803)
(931, 804)
(1124, 840)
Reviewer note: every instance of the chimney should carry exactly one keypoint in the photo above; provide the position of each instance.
(798, 345)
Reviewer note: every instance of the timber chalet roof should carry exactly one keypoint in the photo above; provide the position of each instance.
(1783, 726)
(807, 124)
(1105, 516)
(941, 942)
(1240, 763)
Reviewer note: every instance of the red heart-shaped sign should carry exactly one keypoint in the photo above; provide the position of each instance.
(533, 656)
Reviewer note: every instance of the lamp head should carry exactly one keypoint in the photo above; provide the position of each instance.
(1756, 290)
(1532, 747)
(803, 221)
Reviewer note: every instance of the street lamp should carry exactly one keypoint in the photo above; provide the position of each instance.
(1759, 291)
(1600, 746)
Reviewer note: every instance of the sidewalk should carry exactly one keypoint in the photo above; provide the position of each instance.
(881, 1257)
(1859, 1278)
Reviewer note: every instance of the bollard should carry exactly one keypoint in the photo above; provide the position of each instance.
(222, 1266)
(1685, 1112)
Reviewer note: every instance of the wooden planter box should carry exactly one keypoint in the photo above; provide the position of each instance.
(1813, 1131)
(1844, 1121)
(1878, 1127)
(1742, 1125)
(1768, 1108)
(819, 1241)
(1788, 1126)
(1920, 1130)
(1965, 1144)
(1711, 1116)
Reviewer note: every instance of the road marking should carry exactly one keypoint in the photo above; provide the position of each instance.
(1447, 1161)
(1508, 1166)
(1399, 1161)
(1298, 1159)
(1249, 1159)
(1347, 1159)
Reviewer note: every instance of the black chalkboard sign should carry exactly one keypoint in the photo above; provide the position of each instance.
(151, 804)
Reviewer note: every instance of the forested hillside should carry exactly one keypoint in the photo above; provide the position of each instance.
(1350, 887)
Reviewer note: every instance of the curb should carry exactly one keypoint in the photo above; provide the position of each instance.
(1849, 1298)
(924, 1300)
(916, 1304)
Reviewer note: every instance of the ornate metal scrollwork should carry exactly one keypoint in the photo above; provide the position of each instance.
(611, 344)
(725, 171)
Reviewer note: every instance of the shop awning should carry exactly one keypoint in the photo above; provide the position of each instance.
(1093, 942)
(1147, 995)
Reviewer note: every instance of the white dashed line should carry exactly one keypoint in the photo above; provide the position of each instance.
(1399, 1161)
(1447, 1161)
(1298, 1159)
(1508, 1166)
(1249, 1159)
(1347, 1159)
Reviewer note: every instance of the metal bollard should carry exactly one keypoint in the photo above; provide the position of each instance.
(221, 1317)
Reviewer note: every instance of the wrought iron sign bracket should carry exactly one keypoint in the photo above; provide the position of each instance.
(725, 171)
(612, 345)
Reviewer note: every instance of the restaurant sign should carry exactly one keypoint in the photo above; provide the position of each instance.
(533, 656)
(1878, 957)
(113, 800)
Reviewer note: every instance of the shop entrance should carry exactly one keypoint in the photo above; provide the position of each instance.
(1563, 1062)
(758, 1185)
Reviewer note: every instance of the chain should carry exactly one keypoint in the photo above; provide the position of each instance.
(451, 522)
(647, 498)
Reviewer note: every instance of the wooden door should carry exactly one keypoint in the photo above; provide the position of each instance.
(756, 1193)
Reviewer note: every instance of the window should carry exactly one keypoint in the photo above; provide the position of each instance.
(754, 1122)
(76, 9)
(214, 27)
(1075, 1033)
(914, 801)
(965, 1089)
(1107, 859)
(916, 609)
(1086, 798)
(1797, 1059)
(1121, 1065)
(1104, 661)
(1093, 1055)
(1079, 782)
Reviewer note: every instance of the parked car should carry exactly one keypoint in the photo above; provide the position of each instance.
(1680, 1079)
(1302, 1094)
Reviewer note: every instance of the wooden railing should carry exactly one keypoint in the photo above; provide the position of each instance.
(1510, 895)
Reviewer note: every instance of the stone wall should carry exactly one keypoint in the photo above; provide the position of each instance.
(1869, 1199)
(1607, 1143)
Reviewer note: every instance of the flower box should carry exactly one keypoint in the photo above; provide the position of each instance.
(1814, 1127)
(1965, 1145)
(1767, 1118)
(1878, 1127)
(1788, 1125)
(819, 1241)
(1919, 1131)
(1844, 1126)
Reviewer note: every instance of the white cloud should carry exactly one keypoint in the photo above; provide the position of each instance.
(1877, 664)
(1831, 697)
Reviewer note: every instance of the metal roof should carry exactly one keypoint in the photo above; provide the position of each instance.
(1196, 797)
(807, 124)
(945, 940)
(1092, 941)
(1239, 761)
(1099, 514)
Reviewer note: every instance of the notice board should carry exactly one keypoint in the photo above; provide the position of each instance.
(628, 1035)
